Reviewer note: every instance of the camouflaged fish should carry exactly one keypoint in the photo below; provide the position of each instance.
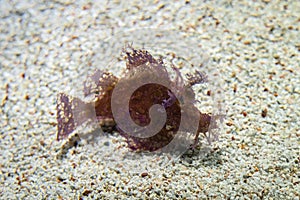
(139, 64)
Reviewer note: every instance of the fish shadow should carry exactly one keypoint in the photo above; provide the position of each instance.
(202, 157)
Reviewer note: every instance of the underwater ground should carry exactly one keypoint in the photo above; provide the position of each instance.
(48, 47)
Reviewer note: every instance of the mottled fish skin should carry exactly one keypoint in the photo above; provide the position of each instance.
(64, 116)
(101, 85)
(66, 109)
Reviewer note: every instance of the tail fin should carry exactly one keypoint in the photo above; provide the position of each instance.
(71, 113)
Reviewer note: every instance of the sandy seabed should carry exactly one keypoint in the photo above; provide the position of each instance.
(47, 47)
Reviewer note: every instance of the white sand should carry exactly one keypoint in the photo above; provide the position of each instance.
(49, 47)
